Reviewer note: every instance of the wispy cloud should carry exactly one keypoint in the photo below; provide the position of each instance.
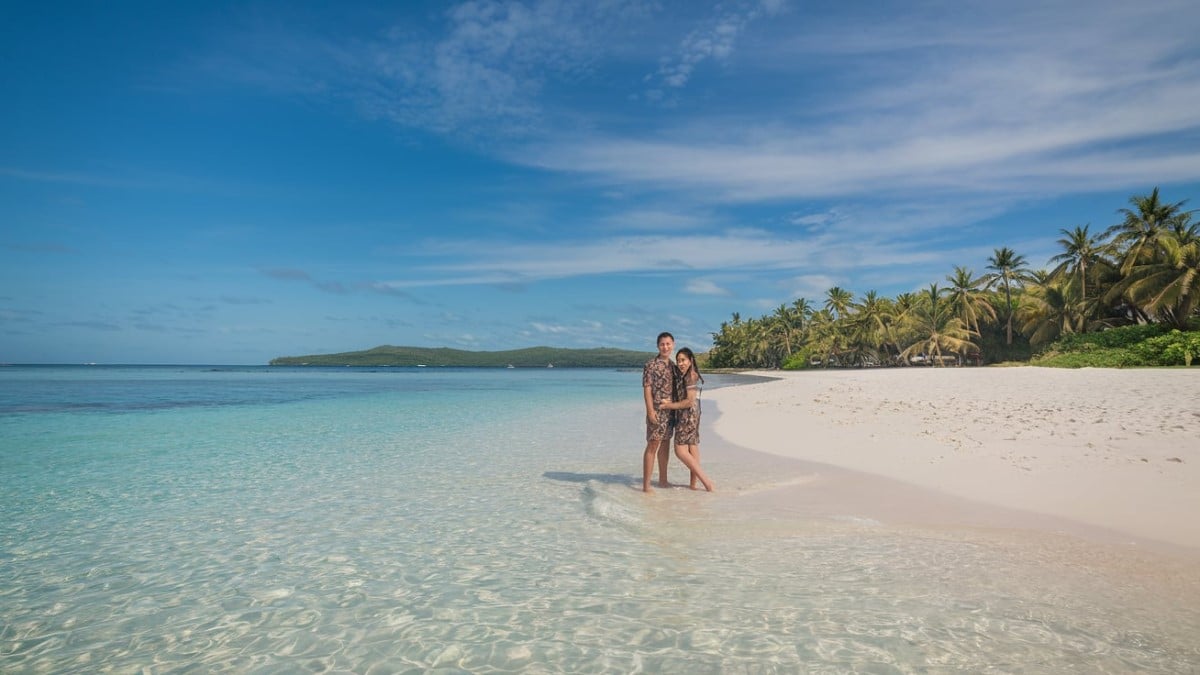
(656, 219)
(286, 274)
(484, 73)
(812, 286)
(41, 247)
(334, 286)
(120, 178)
(494, 263)
(705, 287)
(100, 325)
(1010, 101)
(76, 177)
(11, 316)
(969, 98)
(581, 332)
(551, 329)
(861, 127)
(714, 39)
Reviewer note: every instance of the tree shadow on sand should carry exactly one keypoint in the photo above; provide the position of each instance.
(572, 477)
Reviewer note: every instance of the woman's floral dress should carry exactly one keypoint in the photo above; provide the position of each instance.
(687, 421)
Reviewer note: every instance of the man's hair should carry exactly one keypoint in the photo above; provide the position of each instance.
(663, 335)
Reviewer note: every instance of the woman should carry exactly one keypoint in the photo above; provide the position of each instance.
(687, 421)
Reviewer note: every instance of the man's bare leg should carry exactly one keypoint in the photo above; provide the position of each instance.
(664, 456)
(648, 464)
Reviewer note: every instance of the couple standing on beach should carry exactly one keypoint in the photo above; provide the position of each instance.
(672, 396)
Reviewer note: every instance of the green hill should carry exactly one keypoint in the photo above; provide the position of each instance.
(533, 357)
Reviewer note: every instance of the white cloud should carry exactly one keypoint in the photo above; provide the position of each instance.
(548, 328)
(971, 100)
(483, 73)
(491, 262)
(812, 220)
(713, 40)
(866, 126)
(963, 98)
(704, 287)
(811, 286)
(655, 220)
(487, 75)
(582, 332)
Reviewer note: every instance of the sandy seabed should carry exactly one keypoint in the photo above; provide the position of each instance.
(1108, 454)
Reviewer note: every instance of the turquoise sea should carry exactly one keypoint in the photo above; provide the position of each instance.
(272, 520)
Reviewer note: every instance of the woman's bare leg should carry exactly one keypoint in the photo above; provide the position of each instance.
(684, 454)
(694, 451)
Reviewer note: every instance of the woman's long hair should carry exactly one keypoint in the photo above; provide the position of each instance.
(684, 376)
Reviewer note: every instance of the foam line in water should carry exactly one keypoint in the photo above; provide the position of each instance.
(602, 503)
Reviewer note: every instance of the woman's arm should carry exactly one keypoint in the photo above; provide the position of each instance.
(680, 405)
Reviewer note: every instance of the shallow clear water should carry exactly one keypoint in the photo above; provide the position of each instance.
(391, 520)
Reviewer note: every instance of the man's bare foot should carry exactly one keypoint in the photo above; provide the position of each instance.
(664, 484)
(647, 489)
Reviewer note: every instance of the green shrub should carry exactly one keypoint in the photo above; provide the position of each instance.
(799, 360)
(1125, 336)
(1095, 357)
(1173, 349)
(1128, 347)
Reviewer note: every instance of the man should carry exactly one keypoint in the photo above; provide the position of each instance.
(658, 377)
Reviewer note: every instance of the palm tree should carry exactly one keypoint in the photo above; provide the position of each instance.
(1081, 250)
(802, 310)
(837, 301)
(826, 335)
(904, 304)
(873, 315)
(1009, 268)
(903, 332)
(1169, 285)
(1185, 229)
(1053, 307)
(785, 326)
(729, 344)
(758, 343)
(967, 298)
(1135, 237)
(938, 329)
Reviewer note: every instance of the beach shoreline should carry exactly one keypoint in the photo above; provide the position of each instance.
(1110, 455)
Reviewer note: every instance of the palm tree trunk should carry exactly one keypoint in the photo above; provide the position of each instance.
(1008, 302)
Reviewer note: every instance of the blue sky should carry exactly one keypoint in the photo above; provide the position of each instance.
(207, 182)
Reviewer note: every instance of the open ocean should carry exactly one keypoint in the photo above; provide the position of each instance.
(276, 520)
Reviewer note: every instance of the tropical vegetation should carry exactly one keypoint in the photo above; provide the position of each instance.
(1126, 296)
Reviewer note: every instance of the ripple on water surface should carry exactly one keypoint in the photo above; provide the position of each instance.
(381, 534)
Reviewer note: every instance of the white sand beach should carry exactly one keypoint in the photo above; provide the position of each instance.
(1116, 452)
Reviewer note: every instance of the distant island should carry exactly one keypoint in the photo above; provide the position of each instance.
(532, 357)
